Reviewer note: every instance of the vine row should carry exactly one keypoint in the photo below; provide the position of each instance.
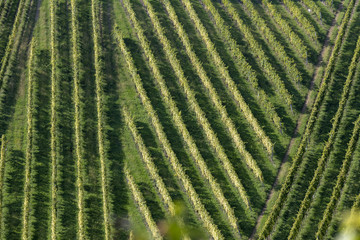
(179, 171)
(146, 157)
(138, 197)
(29, 147)
(322, 161)
(212, 92)
(285, 27)
(5, 60)
(256, 49)
(78, 110)
(271, 220)
(304, 22)
(226, 76)
(201, 117)
(336, 193)
(176, 115)
(53, 127)
(279, 49)
(313, 7)
(100, 115)
(245, 68)
(2, 166)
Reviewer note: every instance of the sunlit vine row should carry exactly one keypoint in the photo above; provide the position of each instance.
(226, 76)
(2, 166)
(100, 115)
(285, 27)
(178, 169)
(29, 147)
(275, 45)
(53, 127)
(178, 120)
(77, 109)
(201, 117)
(304, 22)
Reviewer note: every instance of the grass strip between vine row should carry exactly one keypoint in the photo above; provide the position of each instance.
(305, 204)
(286, 186)
(177, 118)
(179, 171)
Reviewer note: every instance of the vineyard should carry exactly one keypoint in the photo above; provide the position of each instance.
(179, 119)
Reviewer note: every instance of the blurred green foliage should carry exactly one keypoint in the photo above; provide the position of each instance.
(350, 229)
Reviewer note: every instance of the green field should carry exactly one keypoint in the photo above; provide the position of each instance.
(178, 119)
